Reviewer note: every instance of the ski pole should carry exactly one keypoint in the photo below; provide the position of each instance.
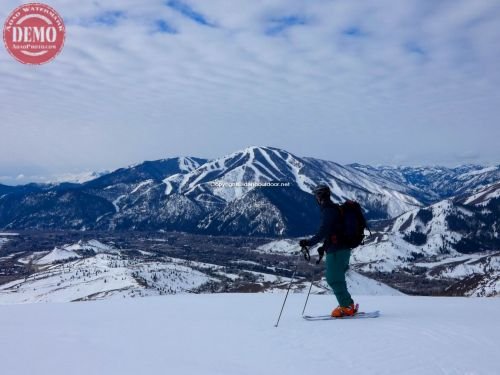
(321, 252)
(308, 293)
(305, 252)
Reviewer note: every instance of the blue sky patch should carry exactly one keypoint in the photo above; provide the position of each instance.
(188, 12)
(353, 31)
(162, 26)
(415, 48)
(109, 18)
(278, 25)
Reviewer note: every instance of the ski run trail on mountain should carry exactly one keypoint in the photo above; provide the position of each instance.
(235, 334)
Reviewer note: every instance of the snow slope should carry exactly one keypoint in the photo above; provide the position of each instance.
(55, 255)
(284, 246)
(483, 196)
(67, 252)
(109, 276)
(362, 285)
(235, 334)
(102, 276)
(94, 245)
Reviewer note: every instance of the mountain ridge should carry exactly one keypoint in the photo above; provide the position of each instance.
(199, 195)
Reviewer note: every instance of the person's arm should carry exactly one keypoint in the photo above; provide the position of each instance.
(323, 231)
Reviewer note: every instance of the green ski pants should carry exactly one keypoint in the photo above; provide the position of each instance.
(337, 264)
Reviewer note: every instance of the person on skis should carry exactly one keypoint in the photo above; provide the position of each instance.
(337, 255)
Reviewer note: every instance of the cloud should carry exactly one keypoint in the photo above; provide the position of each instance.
(339, 80)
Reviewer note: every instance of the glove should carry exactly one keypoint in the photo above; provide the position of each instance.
(321, 252)
(303, 243)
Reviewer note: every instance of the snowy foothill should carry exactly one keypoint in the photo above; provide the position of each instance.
(390, 252)
(66, 252)
(68, 273)
(94, 245)
(108, 276)
(57, 255)
(236, 334)
(385, 255)
(102, 276)
(284, 246)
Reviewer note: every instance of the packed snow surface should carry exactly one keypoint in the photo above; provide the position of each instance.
(235, 334)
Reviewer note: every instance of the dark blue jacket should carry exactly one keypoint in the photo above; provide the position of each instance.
(330, 223)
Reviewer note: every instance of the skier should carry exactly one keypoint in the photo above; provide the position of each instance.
(337, 256)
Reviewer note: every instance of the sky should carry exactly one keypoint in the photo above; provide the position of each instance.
(374, 82)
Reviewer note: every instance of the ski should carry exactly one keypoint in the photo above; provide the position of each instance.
(359, 315)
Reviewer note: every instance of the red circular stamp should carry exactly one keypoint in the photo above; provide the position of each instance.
(34, 33)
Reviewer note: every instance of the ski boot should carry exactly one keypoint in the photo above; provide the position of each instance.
(341, 311)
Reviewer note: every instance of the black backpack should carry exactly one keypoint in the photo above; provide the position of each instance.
(350, 232)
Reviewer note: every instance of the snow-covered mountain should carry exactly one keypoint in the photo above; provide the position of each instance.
(429, 184)
(465, 224)
(228, 195)
(473, 275)
(77, 178)
(92, 204)
(481, 196)
(456, 240)
(451, 247)
(261, 191)
(231, 177)
(156, 170)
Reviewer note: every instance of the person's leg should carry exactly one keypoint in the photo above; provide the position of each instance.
(337, 264)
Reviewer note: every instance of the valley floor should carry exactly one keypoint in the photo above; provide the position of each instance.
(235, 334)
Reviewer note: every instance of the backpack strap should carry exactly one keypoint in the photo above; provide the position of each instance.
(335, 238)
